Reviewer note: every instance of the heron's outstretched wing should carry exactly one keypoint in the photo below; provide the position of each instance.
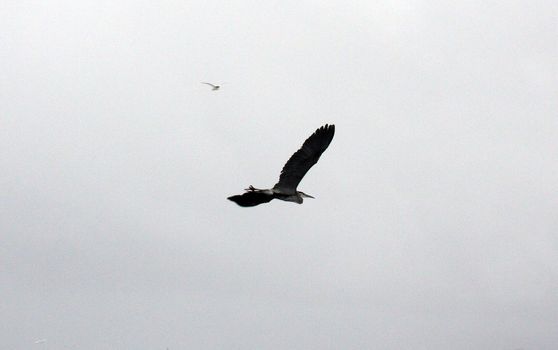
(251, 198)
(303, 159)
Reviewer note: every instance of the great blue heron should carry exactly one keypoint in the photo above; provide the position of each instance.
(213, 86)
(294, 170)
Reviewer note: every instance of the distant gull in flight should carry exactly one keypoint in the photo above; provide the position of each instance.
(40, 341)
(293, 171)
(213, 86)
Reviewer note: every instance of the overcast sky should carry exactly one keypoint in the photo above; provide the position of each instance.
(435, 220)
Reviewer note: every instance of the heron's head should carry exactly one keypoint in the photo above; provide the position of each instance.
(304, 195)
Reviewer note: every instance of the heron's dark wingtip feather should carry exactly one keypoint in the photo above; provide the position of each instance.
(327, 131)
(319, 141)
(250, 199)
(303, 159)
(238, 200)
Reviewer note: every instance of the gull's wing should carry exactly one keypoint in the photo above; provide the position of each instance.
(203, 82)
(251, 198)
(303, 159)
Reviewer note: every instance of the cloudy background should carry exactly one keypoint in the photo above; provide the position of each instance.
(435, 220)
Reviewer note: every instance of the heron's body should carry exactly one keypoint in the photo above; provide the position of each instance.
(255, 196)
(293, 172)
(297, 197)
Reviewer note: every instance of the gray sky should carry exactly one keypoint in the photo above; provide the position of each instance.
(434, 224)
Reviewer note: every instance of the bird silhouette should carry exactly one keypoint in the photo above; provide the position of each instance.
(213, 86)
(294, 170)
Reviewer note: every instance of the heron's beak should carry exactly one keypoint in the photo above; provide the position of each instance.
(308, 196)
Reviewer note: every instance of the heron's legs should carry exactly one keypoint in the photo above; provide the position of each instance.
(252, 189)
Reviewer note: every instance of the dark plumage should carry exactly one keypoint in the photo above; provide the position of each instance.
(294, 170)
(250, 198)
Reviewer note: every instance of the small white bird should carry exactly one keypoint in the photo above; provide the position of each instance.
(213, 86)
(40, 341)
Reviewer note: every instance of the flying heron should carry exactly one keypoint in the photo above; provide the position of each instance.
(294, 170)
(213, 86)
